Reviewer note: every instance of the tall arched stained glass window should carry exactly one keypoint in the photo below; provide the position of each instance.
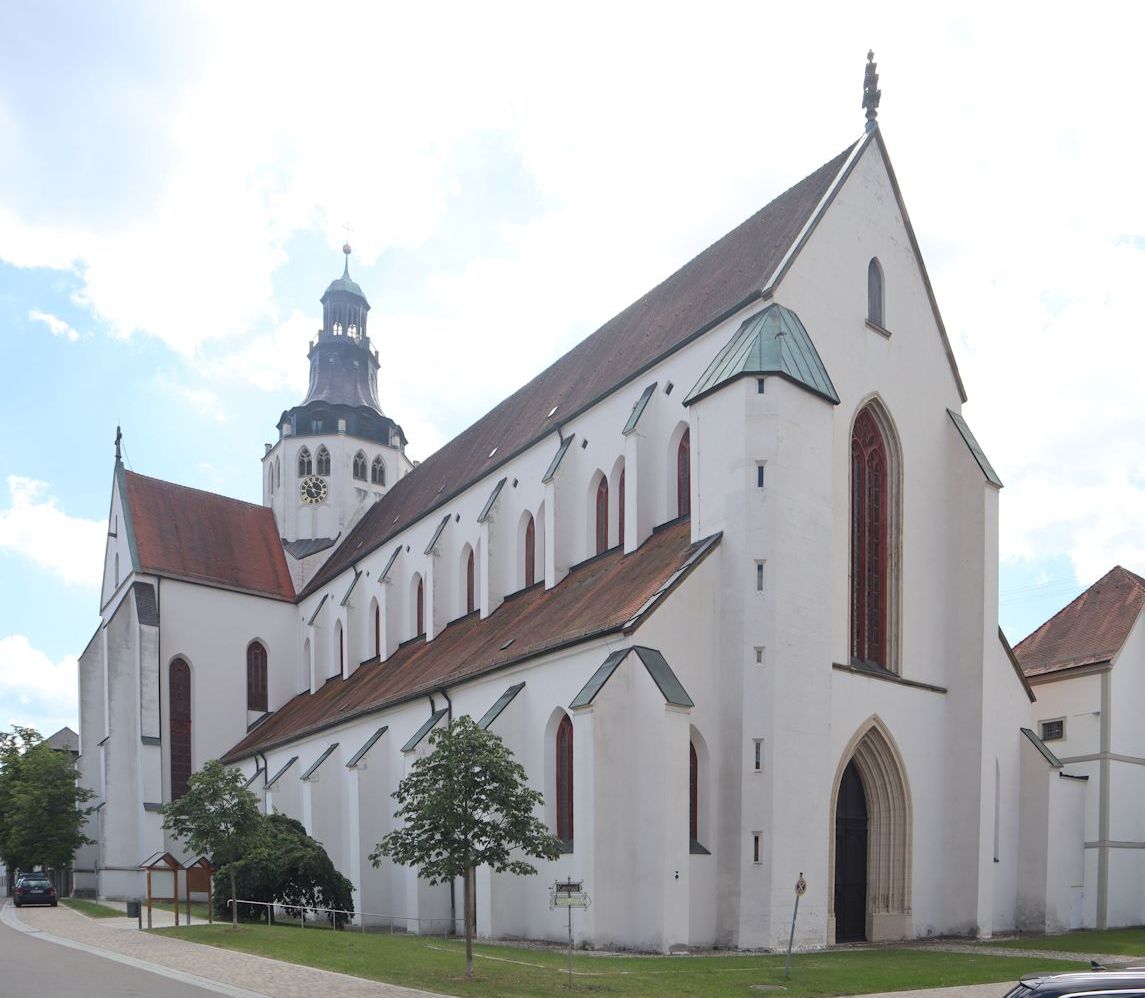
(565, 781)
(180, 723)
(469, 584)
(620, 509)
(420, 607)
(602, 516)
(256, 697)
(870, 508)
(684, 475)
(530, 552)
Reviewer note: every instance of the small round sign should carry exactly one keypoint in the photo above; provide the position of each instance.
(800, 886)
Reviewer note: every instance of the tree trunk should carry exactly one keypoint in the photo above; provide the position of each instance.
(469, 920)
(234, 902)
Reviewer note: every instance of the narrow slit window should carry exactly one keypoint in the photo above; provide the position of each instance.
(759, 654)
(759, 476)
(757, 754)
(755, 837)
(759, 576)
(759, 385)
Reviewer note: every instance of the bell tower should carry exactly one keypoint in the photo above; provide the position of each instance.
(337, 452)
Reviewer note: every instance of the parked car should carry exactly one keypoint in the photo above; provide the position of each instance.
(34, 888)
(1095, 983)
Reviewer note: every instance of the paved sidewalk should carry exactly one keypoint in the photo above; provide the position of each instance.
(233, 973)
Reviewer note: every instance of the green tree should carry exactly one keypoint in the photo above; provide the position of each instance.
(41, 804)
(217, 817)
(466, 804)
(286, 866)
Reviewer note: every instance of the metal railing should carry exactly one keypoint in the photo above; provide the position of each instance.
(392, 923)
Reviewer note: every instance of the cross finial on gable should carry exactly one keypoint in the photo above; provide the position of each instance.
(871, 91)
(118, 442)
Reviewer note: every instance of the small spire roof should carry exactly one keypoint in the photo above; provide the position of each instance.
(773, 341)
(345, 283)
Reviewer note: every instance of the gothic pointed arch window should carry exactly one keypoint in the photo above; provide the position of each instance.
(602, 516)
(530, 552)
(684, 475)
(277, 472)
(305, 465)
(469, 583)
(256, 685)
(620, 510)
(873, 518)
(564, 772)
(693, 793)
(420, 608)
(179, 691)
(360, 466)
(377, 630)
(322, 460)
(378, 471)
(875, 291)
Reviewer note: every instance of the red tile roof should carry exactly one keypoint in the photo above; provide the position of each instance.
(722, 279)
(202, 537)
(1090, 630)
(609, 593)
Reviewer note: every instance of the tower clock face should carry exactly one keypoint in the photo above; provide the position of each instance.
(313, 489)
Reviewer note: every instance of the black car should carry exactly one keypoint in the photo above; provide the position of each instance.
(31, 889)
(1096, 983)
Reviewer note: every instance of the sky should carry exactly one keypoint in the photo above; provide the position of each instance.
(176, 178)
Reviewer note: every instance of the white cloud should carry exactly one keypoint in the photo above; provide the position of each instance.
(34, 690)
(34, 527)
(205, 401)
(57, 325)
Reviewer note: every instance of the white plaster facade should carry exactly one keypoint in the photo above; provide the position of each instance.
(756, 631)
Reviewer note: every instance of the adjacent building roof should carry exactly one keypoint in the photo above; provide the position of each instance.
(773, 341)
(1089, 631)
(185, 533)
(724, 278)
(607, 594)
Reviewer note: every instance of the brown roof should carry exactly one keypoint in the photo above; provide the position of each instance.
(202, 537)
(721, 280)
(609, 593)
(1090, 630)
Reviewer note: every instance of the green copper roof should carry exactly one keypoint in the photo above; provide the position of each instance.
(658, 668)
(318, 762)
(345, 283)
(358, 756)
(424, 730)
(503, 701)
(770, 342)
(975, 448)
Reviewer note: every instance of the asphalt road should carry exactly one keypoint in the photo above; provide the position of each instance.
(32, 967)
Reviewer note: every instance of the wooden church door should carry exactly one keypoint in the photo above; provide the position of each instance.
(851, 858)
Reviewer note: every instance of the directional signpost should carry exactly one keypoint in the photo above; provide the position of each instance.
(569, 894)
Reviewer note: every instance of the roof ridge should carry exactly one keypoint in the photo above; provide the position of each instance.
(691, 301)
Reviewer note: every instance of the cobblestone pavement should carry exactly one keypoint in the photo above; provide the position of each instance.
(257, 975)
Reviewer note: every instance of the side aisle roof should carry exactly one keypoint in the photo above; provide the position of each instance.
(612, 593)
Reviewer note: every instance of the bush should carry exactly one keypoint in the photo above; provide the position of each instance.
(285, 866)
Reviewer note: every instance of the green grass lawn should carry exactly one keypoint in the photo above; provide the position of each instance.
(93, 909)
(439, 965)
(1126, 942)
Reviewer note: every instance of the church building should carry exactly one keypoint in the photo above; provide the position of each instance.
(724, 577)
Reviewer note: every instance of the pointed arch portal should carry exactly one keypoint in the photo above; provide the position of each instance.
(870, 869)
